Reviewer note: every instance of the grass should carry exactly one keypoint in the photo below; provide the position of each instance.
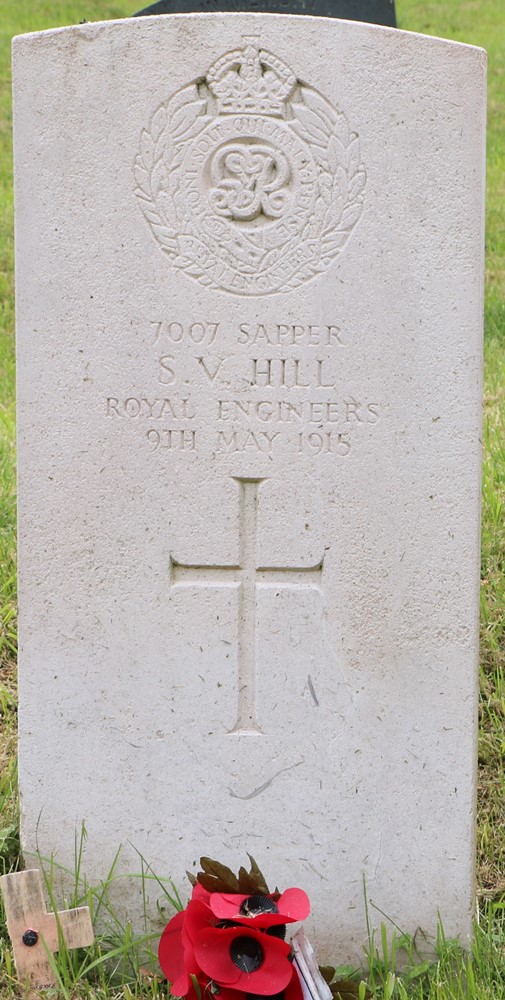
(117, 964)
(395, 964)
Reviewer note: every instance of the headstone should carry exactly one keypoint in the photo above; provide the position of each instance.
(374, 11)
(249, 328)
(34, 932)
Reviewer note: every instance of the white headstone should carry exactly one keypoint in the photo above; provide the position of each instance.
(249, 280)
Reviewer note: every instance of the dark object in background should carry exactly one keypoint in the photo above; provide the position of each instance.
(374, 11)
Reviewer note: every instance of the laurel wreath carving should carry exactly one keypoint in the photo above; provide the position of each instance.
(341, 178)
(162, 148)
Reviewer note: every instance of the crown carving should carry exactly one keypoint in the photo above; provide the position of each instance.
(250, 80)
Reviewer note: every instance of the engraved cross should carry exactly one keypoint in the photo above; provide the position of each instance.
(246, 576)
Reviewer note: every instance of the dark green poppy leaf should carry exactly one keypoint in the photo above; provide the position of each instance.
(327, 972)
(192, 878)
(347, 972)
(257, 875)
(246, 883)
(221, 873)
(211, 884)
(347, 989)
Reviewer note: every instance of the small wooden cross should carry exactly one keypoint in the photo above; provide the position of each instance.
(29, 924)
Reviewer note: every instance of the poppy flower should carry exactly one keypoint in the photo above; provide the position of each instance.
(203, 988)
(293, 990)
(261, 910)
(247, 960)
(176, 948)
(203, 895)
(177, 962)
(228, 943)
(180, 968)
(197, 917)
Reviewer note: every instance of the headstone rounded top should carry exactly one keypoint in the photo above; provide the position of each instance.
(373, 11)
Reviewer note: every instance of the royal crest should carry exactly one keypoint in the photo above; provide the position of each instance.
(250, 180)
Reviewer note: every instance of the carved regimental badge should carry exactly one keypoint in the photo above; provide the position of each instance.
(250, 180)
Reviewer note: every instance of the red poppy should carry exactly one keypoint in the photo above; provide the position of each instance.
(200, 893)
(193, 992)
(197, 916)
(294, 990)
(203, 988)
(179, 966)
(261, 910)
(249, 961)
(176, 948)
(175, 962)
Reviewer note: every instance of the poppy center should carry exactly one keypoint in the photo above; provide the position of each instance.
(278, 931)
(246, 953)
(257, 996)
(259, 903)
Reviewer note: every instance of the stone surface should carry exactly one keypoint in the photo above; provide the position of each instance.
(249, 328)
(375, 11)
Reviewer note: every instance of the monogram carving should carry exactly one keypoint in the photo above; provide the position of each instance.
(250, 181)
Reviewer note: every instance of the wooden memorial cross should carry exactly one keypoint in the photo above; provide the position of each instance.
(247, 576)
(30, 926)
